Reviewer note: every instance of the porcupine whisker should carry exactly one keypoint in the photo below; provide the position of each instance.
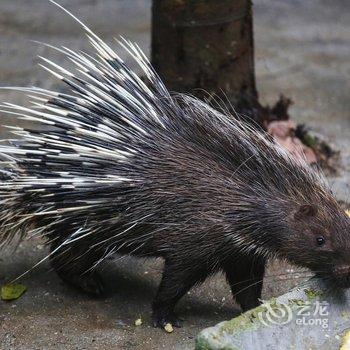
(37, 264)
(115, 252)
(292, 276)
(248, 287)
(66, 242)
(114, 236)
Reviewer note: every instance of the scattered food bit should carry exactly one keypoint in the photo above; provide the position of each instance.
(169, 328)
(283, 132)
(138, 322)
(12, 291)
(347, 212)
(346, 341)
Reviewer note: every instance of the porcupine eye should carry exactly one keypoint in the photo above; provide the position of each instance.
(320, 241)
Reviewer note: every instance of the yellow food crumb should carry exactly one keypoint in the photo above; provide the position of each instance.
(168, 328)
(346, 341)
(138, 322)
(347, 212)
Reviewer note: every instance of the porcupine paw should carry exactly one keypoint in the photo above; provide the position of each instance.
(91, 284)
(249, 303)
(161, 319)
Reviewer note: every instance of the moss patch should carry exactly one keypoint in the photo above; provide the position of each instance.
(298, 302)
(247, 321)
(313, 293)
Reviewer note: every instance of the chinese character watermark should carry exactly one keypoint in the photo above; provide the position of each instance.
(306, 313)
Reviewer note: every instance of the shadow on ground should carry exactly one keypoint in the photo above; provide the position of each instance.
(53, 315)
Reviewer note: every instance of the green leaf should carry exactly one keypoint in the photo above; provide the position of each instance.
(12, 291)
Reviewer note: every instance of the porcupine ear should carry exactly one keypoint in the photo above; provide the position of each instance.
(305, 211)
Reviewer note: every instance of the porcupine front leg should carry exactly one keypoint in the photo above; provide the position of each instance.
(178, 278)
(73, 263)
(245, 276)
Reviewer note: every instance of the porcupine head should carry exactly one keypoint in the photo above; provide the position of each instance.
(325, 243)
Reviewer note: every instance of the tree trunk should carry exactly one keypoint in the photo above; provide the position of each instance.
(206, 46)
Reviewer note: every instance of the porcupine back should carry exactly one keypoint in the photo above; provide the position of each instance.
(121, 161)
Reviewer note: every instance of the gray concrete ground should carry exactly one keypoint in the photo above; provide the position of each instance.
(302, 50)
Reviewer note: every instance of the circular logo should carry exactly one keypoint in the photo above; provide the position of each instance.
(275, 313)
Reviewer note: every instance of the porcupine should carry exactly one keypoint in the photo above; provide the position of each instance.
(124, 167)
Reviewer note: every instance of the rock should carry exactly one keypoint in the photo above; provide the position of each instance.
(307, 317)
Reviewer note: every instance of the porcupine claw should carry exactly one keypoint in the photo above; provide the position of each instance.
(160, 320)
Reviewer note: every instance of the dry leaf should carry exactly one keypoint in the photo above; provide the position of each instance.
(12, 291)
(283, 133)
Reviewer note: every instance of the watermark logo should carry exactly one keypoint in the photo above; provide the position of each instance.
(275, 313)
(303, 313)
